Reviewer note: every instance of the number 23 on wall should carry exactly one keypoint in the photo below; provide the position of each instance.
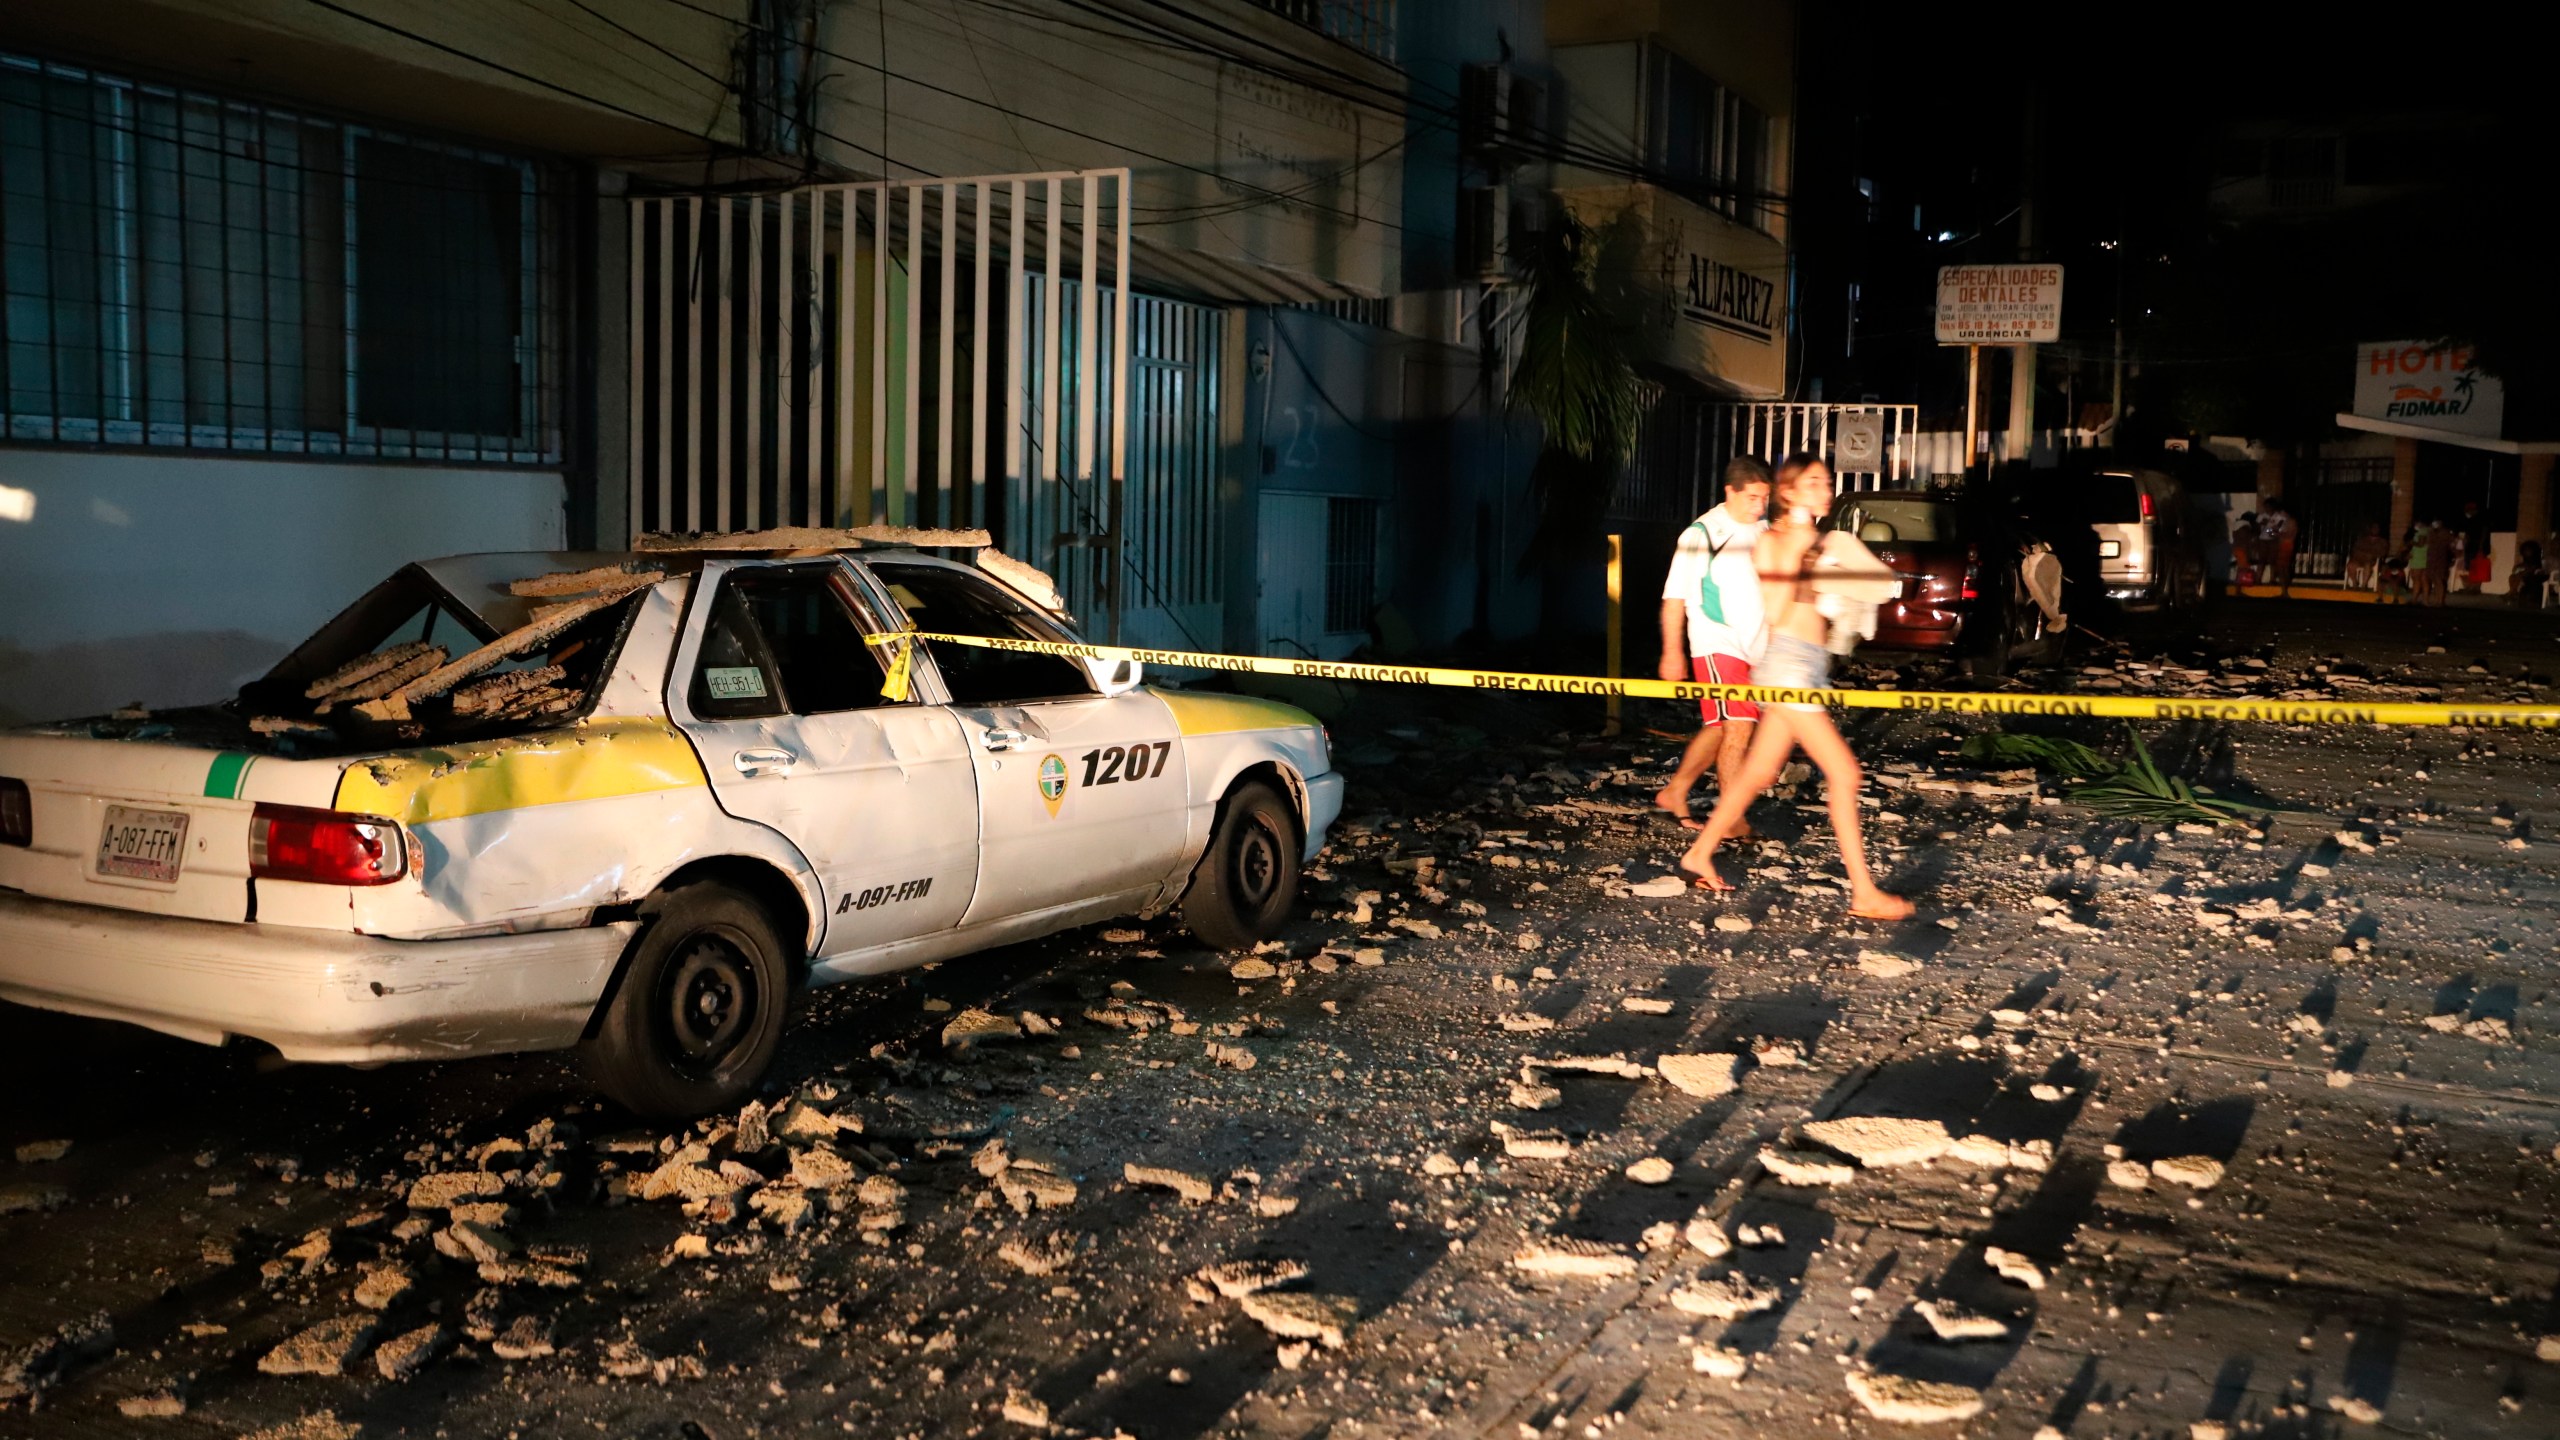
(1135, 762)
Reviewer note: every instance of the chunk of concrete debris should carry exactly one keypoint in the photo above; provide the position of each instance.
(1535, 1144)
(2356, 1410)
(1719, 1362)
(27, 1199)
(527, 1337)
(1880, 1141)
(1567, 1255)
(1884, 966)
(1706, 1236)
(165, 1402)
(323, 1349)
(1645, 1004)
(2547, 1349)
(2012, 1266)
(820, 1168)
(804, 1123)
(1774, 1053)
(1734, 924)
(442, 1189)
(1302, 1315)
(1901, 1400)
(1953, 1322)
(473, 1244)
(1651, 1170)
(1525, 1023)
(2196, 1172)
(684, 1181)
(1660, 887)
(1804, 1168)
(1193, 1188)
(1038, 1257)
(1235, 1279)
(1535, 1097)
(1251, 968)
(324, 1425)
(1441, 1163)
(1025, 1409)
(383, 1284)
(1231, 1057)
(1272, 1207)
(1617, 1066)
(38, 1152)
(409, 1352)
(1027, 1190)
(973, 1025)
(2129, 1174)
(785, 1207)
(1707, 1077)
(1724, 1297)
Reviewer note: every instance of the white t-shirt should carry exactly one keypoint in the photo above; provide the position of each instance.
(1720, 545)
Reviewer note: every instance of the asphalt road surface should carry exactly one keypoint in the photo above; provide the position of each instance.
(2250, 1126)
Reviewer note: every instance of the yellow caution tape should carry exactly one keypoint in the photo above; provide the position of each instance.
(2125, 707)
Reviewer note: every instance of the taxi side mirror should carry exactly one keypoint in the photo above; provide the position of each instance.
(1114, 677)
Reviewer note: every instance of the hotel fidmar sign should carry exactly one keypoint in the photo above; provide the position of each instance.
(1999, 304)
(2428, 382)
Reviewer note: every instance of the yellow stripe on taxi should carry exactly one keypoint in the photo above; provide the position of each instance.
(594, 761)
(1200, 713)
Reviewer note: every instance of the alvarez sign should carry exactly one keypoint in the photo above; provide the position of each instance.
(2426, 382)
(1999, 304)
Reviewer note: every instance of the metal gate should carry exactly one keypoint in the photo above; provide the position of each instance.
(2344, 497)
(895, 353)
(1681, 452)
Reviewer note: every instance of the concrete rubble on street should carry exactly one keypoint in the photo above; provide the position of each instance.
(2068, 1154)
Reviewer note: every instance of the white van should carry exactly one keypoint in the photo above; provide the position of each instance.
(2149, 555)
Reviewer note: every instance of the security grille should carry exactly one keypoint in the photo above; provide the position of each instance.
(188, 271)
(1350, 564)
(1685, 443)
(955, 352)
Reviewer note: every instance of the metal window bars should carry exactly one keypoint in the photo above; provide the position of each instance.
(188, 271)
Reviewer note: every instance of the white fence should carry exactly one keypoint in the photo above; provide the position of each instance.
(951, 352)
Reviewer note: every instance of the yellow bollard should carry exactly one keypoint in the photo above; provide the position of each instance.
(1617, 624)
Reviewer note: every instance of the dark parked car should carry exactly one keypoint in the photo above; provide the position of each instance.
(1962, 597)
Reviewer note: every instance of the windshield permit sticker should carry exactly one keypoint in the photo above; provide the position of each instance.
(1053, 783)
(734, 682)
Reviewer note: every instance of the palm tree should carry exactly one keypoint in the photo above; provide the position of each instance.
(1576, 376)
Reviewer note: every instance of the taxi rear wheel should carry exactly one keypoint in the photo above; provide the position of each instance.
(1248, 878)
(697, 1016)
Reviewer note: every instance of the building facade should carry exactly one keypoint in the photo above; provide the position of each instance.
(1203, 307)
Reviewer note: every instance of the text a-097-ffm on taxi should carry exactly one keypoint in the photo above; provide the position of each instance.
(630, 802)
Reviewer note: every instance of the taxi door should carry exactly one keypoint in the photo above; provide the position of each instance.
(784, 702)
(1081, 795)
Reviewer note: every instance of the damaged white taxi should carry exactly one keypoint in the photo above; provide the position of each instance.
(631, 803)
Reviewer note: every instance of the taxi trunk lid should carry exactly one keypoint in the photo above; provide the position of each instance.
(154, 825)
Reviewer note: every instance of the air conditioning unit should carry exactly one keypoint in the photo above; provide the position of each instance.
(1484, 232)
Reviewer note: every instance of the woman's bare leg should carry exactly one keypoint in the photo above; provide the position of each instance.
(1841, 778)
(1772, 741)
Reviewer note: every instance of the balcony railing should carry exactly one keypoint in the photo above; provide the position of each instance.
(1366, 25)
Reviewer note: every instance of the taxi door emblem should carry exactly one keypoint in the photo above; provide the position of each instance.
(1053, 783)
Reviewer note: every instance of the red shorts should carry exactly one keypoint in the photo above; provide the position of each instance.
(1722, 670)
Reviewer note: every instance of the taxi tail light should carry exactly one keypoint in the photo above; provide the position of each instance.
(325, 847)
(1972, 573)
(17, 813)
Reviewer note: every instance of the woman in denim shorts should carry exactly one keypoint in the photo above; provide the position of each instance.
(1798, 657)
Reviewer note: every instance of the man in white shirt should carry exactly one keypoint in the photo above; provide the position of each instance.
(1712, 628)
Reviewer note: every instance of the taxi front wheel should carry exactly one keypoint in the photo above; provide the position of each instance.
(698, 1014)
(1245, 883)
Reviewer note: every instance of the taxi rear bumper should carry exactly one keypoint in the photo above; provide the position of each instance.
(315, 995)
